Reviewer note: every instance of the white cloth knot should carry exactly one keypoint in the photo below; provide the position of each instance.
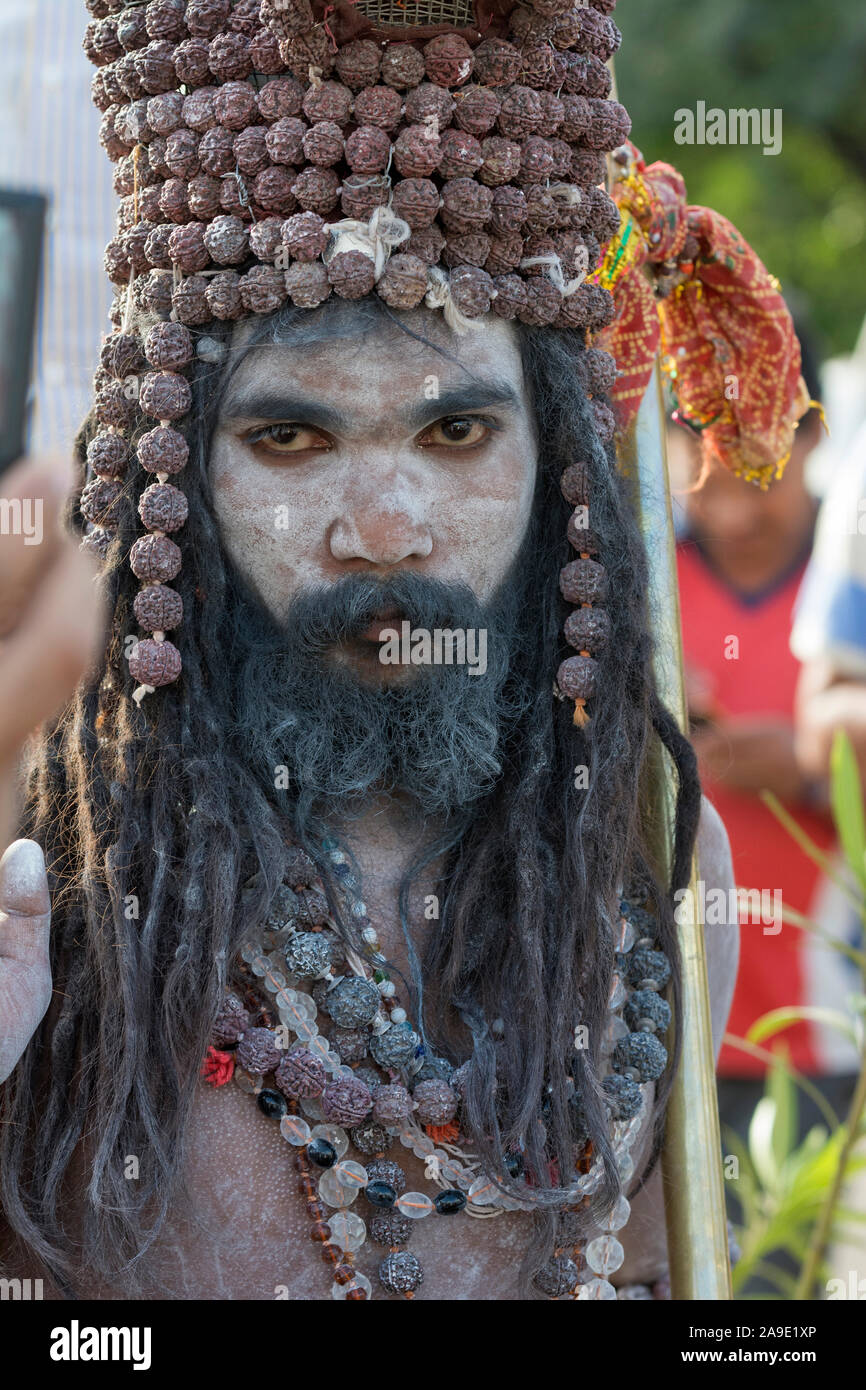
(439, 296)
(553, 270)
(376, 238)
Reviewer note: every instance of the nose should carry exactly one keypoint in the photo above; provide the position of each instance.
(381, 529)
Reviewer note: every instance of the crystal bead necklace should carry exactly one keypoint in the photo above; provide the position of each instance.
(370, 1084)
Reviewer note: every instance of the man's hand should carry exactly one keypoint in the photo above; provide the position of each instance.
(750, 755)
(25, 973)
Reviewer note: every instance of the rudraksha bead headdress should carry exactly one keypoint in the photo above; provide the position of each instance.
(448, 152)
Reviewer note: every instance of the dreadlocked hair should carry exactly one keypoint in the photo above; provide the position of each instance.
(152, 824)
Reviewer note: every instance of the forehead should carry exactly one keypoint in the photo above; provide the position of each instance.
(355, 356)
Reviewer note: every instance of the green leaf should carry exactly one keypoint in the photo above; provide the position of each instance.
(807, 844)
(777, 1019)
(761, 1147)
(847, 802)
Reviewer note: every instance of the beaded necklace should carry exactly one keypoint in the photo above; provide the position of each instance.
(326, 1097)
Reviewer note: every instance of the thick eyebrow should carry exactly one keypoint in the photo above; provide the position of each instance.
(269, 404)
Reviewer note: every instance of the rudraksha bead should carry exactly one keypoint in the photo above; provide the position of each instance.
(536, 160)
(251, 150)
(108, 455)
(361, 194)
(402, 66)
(281, 97)
(642, 1054)
(229, 57)
(472, 290)
(391, 1104)
(608, 126)
(345, 1101)
(234, 105)
(159, 609)
(168, 346)
(165, 396)
(426, 101)
(511, 295)
(307, 284)
(466, 205)
(216, 151)
(497, 63)
(436, 1102)
(284, 140)
(378, 106)
(155, 663)
(99, 501)
(403, 282)
(581, 536)
(583, 581)
(163, 450)
(273, 190)
(576, 117)
(448, 60)
(223, 296)
(156, 247)
(263, 289)
(190, 63)
(114, 407)
(323, 144)
(587, 629)
(520, 113)
(187, 248)
(459, 154)
(543, 302)
(574, 484)
(557, 1277)
(603, 420)
(226, 239)
(305, 236)
(577, 677)
(301, 1076)
(287, 17)
(330, 101)
(501, 160)
(258, 1052)
(466, 248)
(163, 507)
(368, 150)
(357, 63)
(504, 253)
(265, 53)
(476, 109)
(416, 201)
(266, 238)
(165, 112)
(121, 354)
(204, 18)
(317, 190)
(416, 153)
(174, 200)
(426, 244)
(599, 35)
(507, 209)
(400, 1272)
(309, 50)
(155, 559)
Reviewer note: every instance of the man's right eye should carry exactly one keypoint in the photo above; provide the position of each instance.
(287, 438)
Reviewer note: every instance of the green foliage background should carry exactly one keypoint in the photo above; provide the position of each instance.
(804, 211)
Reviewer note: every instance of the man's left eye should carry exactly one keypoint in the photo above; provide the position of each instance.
(460, 431)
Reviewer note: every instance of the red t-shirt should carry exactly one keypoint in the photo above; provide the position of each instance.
(760, 680)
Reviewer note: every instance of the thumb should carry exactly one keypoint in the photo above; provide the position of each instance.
(24, 881)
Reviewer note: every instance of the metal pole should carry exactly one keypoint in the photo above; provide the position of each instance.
(691, 1161)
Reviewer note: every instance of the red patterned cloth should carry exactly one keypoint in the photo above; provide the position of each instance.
(686, 284)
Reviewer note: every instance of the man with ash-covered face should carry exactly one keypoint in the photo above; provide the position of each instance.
(352, 470)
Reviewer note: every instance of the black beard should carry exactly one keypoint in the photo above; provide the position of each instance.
(332, 740)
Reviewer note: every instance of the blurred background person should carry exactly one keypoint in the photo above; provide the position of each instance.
(742, 555)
